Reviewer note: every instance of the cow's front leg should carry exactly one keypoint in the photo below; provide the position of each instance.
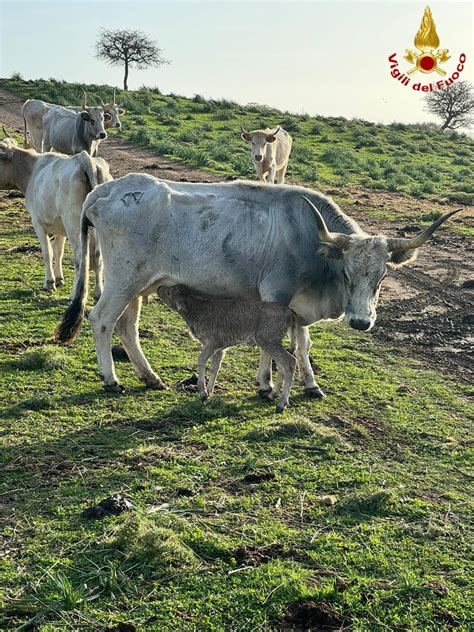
(127, 330)
(271, 174)
(47, 253)
(305, 369)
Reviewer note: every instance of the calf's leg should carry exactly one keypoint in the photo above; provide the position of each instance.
(207, 351)
(214, 370)
(286, 366)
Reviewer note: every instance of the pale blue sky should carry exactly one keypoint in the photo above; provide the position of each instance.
(326, 58)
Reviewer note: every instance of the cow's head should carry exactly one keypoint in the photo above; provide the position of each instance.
(364, 259)
(7, 141)
(114, 111)
(95, 120)
(259, 139)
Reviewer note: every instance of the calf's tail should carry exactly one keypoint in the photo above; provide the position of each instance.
(74, 315)
(293, 334)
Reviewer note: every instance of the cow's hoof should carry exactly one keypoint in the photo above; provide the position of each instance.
(156, 385)
(59, 282)
(50, 286)
(315, 392)
(265, 393)
(114, 388)
(204, 397)
(280, 408)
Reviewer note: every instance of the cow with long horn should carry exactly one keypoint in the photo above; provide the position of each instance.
(263, 243)
(270, 152)
(114, 110)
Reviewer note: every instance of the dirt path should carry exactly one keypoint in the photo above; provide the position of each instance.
(425, 309)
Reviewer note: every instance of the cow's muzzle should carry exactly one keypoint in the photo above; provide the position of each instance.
(361, 324)
(258, 158)
(101, 136)
(118, 125)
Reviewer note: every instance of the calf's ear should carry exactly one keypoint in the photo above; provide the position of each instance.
(399, 258)
(271, 139)
(121, 111)
(246, 136)
(330, 251)
(85, 116)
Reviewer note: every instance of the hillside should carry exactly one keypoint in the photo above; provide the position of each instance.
(418, 159)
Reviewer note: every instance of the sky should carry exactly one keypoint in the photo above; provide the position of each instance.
(317, 57)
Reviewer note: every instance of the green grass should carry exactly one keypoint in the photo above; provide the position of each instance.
(328, 151)
(359, 505)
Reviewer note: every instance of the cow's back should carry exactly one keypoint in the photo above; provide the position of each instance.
(283, 147)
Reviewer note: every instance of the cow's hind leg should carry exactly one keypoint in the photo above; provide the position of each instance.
(127, 330)
(47, 253)
(103, 319)
(58, 252)
(305, 369)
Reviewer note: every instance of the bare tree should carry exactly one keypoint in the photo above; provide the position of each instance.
(454, 105)
(128, 48)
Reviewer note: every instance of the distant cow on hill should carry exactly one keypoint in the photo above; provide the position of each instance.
(270, 153)
(34, 110)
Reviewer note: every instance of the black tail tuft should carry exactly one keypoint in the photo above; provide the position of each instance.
(71, 322)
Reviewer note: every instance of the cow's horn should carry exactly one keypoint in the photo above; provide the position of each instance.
(101, 102)
(113, 100)
(5, 131)
(244, 131)
(84, 99)
(275, 132)
(400, 243)
(324, 235)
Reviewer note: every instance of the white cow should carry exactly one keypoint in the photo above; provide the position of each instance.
(55, 187)
(270, 153)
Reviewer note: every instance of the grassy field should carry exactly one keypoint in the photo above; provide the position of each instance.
(355, 511)
(416, 159)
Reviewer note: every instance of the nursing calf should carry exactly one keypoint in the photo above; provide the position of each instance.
(219, 324)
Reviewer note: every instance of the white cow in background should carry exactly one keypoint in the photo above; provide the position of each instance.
(270, 153)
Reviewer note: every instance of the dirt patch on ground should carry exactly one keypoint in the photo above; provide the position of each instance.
(316, 616)
(425, 308)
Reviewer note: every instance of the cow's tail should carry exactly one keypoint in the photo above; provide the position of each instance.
(89, 170)
(26, 144)
(74, 315)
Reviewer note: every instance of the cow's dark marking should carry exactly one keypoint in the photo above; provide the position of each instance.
(136, 196)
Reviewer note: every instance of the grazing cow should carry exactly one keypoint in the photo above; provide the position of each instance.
(55, 187)
(240, 240)
(270, 153)
(34, 110)
(72, 132)
(221, 323)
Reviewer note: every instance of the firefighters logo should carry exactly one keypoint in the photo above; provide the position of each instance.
(427, 41)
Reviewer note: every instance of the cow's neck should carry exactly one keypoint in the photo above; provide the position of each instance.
(23, 165)
(84, 139)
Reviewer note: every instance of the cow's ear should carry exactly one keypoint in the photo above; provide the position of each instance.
(271, 139)
(85, 116)
(121, 111)
(107, 117)
(399, 258)
(330, 251)
(246, 136)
